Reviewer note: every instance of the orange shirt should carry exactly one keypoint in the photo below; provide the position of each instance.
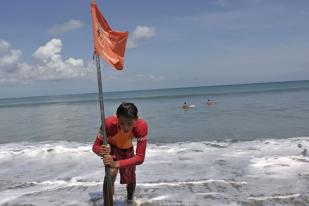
(122, 140)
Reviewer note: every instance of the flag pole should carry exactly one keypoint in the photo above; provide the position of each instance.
(107, 185)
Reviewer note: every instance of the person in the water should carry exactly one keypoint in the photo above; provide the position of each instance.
(210, 102)
(119, 153)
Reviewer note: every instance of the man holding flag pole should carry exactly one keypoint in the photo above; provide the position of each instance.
(114, 140)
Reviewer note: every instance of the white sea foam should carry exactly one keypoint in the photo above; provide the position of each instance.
(219, 173)
(275, 197)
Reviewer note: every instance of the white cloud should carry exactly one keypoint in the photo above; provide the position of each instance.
(49, 65)
(10, 58)
(4, 46)
(143, 32)
(131, 44)
(65, 27)
(140, 33)
(49, 50)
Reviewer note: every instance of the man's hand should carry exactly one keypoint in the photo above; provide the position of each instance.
(108, 161)
(105, 150)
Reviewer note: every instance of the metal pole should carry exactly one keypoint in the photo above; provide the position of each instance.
(107, 185)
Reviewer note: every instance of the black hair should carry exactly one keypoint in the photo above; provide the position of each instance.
(127, 110)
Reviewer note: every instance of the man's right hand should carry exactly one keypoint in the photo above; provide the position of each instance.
(105, 150)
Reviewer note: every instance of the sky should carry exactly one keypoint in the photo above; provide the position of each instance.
(46, 47)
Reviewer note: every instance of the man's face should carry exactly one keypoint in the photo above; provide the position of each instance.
(126, 124)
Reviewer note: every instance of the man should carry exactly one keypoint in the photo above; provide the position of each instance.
(119, 154)
(210, 102)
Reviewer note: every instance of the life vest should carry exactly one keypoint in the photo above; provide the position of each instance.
(122, 140)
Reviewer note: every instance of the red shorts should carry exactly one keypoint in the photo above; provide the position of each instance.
(127, 174)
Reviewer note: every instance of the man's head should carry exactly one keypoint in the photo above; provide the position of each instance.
(127, 116)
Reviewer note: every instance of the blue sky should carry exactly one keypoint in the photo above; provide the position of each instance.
(46, 46)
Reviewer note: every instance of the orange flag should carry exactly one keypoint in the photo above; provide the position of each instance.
(108, 44)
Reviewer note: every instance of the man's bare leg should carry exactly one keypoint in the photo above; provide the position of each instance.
(130, 190)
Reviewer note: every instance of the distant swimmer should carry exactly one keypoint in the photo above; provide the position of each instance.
(304, 152)
(210, 102)
(186, 106)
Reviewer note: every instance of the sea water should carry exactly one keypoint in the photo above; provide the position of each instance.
(242, 150)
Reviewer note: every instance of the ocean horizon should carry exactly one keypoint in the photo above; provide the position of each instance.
(154, 89)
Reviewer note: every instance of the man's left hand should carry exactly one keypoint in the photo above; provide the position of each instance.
(108, 161)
